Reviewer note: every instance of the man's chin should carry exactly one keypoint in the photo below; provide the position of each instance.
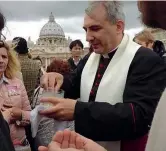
(97, 51)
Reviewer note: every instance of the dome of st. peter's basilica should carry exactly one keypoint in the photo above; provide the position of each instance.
(51, 43)
(52, 29)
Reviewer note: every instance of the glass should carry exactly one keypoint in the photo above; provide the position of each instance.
(47, 126)
(51, 93)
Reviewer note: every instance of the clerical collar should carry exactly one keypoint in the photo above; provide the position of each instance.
(110, 53)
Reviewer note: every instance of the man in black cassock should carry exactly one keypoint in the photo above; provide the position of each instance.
(114, 91)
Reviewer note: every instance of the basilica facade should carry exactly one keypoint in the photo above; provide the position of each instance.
(51, 43)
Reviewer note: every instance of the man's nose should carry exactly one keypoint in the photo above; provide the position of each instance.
(89, 36)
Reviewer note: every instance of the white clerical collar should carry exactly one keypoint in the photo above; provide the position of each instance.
(106, 55)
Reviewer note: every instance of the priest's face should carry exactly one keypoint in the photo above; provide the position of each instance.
(153, 13)
(101, 33)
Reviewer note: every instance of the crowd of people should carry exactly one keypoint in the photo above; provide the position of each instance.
(114, 96)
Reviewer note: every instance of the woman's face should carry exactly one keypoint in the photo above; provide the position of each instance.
(3, 59)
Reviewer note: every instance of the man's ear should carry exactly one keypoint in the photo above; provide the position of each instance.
(120, 26)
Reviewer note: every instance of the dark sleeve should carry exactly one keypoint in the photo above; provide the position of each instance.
(128, 120)
(71, 64)
(5, 139)
(71, 84)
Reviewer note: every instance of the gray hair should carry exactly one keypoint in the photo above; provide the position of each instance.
(113, 8)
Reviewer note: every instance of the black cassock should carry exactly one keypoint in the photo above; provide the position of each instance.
(73, 66)
(131, 119)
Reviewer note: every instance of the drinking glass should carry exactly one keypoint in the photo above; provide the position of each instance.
(46, 129)
(51, 93)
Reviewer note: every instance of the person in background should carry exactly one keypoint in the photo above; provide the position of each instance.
(60, 66)
(5, 139)
(30, 71)
(159, 48)
(41, 72)
(113, 96)
(13, 97)
(152, 15)
(76, 48)
(30, 68)
(145, 38)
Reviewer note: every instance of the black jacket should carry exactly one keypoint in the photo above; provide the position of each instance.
(131, 119)
(5, 139)
(72, 64)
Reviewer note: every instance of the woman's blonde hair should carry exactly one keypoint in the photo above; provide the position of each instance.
(13, 65)
(145, 36)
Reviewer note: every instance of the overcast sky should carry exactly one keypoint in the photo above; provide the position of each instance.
(26, 18)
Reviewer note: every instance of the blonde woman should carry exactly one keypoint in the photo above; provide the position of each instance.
(145, 38)
(13, 98)
(12, 46)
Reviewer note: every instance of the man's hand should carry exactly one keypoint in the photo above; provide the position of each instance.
(51, 80)
(62, 109)
(65, 141)
(71, 141)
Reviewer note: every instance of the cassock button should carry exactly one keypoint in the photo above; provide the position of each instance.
(98, 75)
(91, 92)
(96, 84)
(101, 65)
